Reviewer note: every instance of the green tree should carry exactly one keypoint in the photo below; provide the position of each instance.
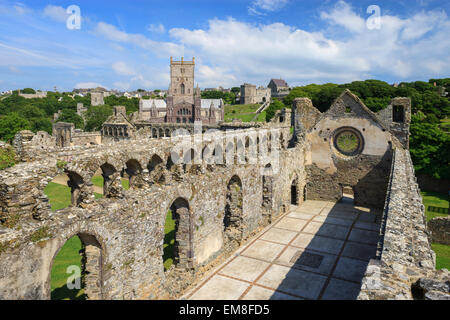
(273, 108)
(11, 124)
(28, 91)
(96, 116)
(429, 148)
(68, 115)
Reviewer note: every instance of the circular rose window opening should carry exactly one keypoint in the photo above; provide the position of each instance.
(348, 141)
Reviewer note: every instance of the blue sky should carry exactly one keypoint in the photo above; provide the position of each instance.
(127, 45)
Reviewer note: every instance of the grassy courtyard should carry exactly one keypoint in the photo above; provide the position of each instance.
(438, 200)
(243, 112)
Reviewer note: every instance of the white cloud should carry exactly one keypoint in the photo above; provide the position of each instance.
(87, 85)
(122, 68)
(56, 13)
(156, 28)
(404, 48)
(162, 49)
(259, 7)
(343, 15)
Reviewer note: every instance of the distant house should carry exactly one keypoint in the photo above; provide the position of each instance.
(279, 87)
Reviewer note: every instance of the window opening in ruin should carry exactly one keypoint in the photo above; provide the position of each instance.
(233, 210)
(294, 193)
(398, 114)
(177, 247)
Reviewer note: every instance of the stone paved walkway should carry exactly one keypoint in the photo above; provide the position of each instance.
(319, 250)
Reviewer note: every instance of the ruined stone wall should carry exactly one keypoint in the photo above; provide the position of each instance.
(365, 170)
(440, 230)
(124, 230)
(405, 263)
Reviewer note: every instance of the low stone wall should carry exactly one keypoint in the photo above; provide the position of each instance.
(405, 258)
(440, 230)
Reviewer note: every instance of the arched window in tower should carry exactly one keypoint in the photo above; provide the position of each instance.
(182, 88)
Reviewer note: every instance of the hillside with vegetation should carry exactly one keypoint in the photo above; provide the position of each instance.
(18, 113)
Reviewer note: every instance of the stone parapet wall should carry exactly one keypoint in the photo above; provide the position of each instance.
(404, 251)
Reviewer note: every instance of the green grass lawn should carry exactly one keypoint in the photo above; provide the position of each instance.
(442, 255)
(243, 112)
(59, 195)
(242, 108)
(67, 256)
(438, 200)
(98, 181)
(169, 241)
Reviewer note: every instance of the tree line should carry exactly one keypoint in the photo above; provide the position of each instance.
(18, 113)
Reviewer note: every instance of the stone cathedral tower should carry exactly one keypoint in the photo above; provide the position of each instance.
(182, 81)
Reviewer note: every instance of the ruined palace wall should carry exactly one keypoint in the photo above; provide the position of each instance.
(404, 252)
(367, 173)
(128, 224)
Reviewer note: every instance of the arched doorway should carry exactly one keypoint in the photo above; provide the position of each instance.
(177, 247)
(232, 220)
(134, 171)
(77, 269)
(156, 170)
(294, 193)
(267, 182)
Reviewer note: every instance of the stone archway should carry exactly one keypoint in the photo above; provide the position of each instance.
(267, 187)
(156, 170)
(112, 186)
(85, 277)
(232, 221)
(134, 172)
(182, 253)
(294, 192)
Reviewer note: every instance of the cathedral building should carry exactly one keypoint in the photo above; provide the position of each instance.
(184, 103)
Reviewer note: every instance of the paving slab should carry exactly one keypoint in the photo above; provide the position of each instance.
(244, 268)
(301, 283)
(367, 226)
(360, 251)
(259, 293)
(307, 260)
(343, 214)
(279, 235)
(350, 269)
(328, 230)
(341, 290)
(263, 250)
(291, 224)
(220, 288)
(318, 243)
(363, 236)
(367, 217)
(333, 220)
(300, 215)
